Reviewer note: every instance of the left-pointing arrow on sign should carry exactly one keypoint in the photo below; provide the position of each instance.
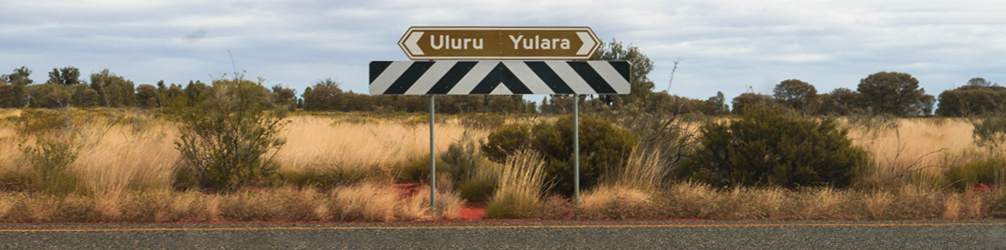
(412, 43)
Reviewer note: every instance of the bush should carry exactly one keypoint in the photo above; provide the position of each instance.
(505, 141)
(990, 132)
(418, 171)
(766, 147)
(604, 148)
(224, 138)
(325, 178)
(54, 149)
(49, 158)
(985, 172)
(470, 170)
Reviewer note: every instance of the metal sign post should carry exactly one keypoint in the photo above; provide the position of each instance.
(433, 160)
(576, 154)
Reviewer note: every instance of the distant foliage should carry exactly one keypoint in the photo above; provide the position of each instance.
(893, 93)
(146, 96)
(973, 100)
(767, 147)
(796, 94)
(50, 95)
(113, 91)
(14, 94)
(751, 99)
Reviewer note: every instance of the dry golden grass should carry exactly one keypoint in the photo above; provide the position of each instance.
(614, 202)
(520, 187)
(9, 152)
(931, 144)
(417, 207)
(113, 158)
(644, 171)
(125, 169)
(365, 202)
(323, 143)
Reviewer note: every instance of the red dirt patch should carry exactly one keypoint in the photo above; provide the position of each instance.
(473, 211)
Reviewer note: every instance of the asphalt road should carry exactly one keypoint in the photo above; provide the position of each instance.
(536, 235)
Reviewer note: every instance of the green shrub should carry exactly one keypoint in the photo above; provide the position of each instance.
(477, 189)
(183, 178)
(418, 171)
(990, 132)
(468, 168)
(505, 141)
(324, 179)
(603, 148)
(41, 121)
(971, 174)
(767, 147)
(224, 138)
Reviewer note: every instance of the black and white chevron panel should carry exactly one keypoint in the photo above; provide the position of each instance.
(498, 77)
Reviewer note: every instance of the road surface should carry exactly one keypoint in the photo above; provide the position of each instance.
(495, 235)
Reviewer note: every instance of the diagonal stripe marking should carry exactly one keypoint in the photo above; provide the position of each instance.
(568, 75)
(591, 77)
(548, 76)
(610, 75)
(474, 76)
(528, 77)
(408, 78)
(452, 77)
(432, 75)
(388, 77)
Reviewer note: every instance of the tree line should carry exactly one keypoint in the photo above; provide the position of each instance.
(882, 93)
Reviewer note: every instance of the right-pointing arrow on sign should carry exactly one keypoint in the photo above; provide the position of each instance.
(588, 43)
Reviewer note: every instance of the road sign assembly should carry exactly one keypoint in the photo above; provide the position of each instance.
(498, 77)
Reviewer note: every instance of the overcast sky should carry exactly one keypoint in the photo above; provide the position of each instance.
(729, 46)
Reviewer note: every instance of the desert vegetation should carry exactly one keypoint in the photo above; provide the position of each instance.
(235, 150)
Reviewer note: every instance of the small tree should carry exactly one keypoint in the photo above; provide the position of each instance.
(146, 96)
(795, 93)
(891, 93)
(16, 95)
(225, 137)
(65, 76)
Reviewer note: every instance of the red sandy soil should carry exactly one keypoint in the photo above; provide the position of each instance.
(473, 211)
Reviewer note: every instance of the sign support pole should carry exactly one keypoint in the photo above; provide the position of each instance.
(576, 154)
(433, 160)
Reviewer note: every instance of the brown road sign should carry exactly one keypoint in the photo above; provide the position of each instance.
(499, 43)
